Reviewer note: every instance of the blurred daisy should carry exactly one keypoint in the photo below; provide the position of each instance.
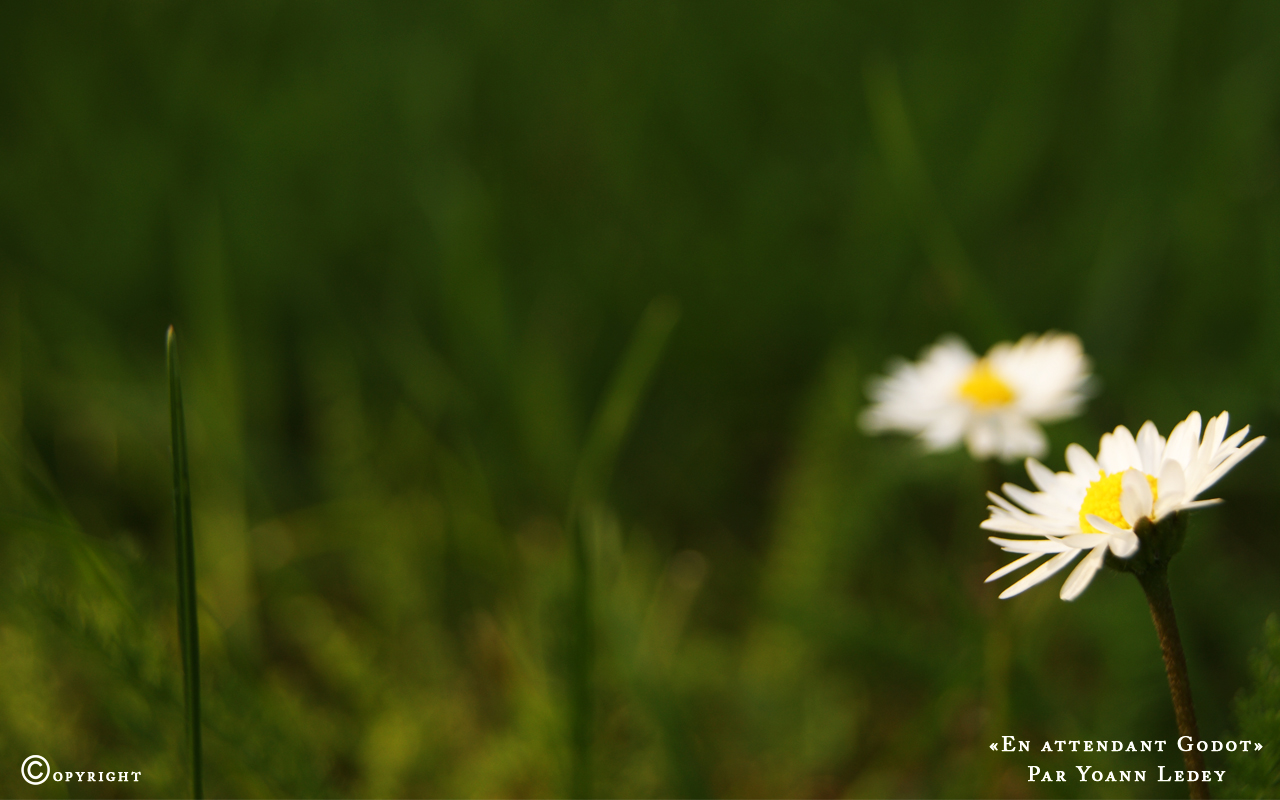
(993, 403)
(1096, 506)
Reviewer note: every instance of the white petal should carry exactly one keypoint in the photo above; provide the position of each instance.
(1135, 497)
(946, 429)
(1123, 544)
(1118, 451)
(1127, 448)
(1009, 508)
(1041, 573)
(1003, 503)
(1039, 523)
(1171, 480)
(1170, 489)
(1020, 436)
(1006, 524)
(1082, 575)
(1150, 447)
(1216, 501)
(1106, 453)
(982, 438)
(1030, 545)
(1232, 441)
(1084, 541)
(1226, 466)
(1041, 503)
(1102, 525)
(1184, 439)
(1224, 420)
(1166, 506)
(1081, 463)
(1213, 432)
(1049, 374)
(919, 397)
(1012, 566)
(1041, 476)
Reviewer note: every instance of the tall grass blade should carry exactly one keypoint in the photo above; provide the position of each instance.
(616, 411)
(608, 431)
(188, 633)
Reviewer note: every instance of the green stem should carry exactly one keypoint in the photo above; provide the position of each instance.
(188, 632)
(1155, 582)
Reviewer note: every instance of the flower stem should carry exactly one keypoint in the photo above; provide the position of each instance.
(1155, 582)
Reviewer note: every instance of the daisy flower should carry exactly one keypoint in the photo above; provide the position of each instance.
(1097, 505)
(993, 403)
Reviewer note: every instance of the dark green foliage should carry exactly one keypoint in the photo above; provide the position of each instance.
(407, 245)
(1256, 773)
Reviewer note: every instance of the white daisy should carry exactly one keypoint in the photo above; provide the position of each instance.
(1096, 506)
(993, 402)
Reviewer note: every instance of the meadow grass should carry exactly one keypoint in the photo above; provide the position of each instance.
(475, 519)
(184, 547)
(613, 419)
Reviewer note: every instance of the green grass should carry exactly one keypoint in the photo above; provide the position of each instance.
(184, 538)
(604, 439)
(476, 517)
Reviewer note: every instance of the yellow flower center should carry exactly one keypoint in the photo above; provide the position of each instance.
(984, 388)
(1103, 500)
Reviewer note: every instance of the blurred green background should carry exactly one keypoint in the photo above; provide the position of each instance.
(470, 522)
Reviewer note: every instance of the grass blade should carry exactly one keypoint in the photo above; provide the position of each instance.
(608, 431)
(188, 632)
(613, 418)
